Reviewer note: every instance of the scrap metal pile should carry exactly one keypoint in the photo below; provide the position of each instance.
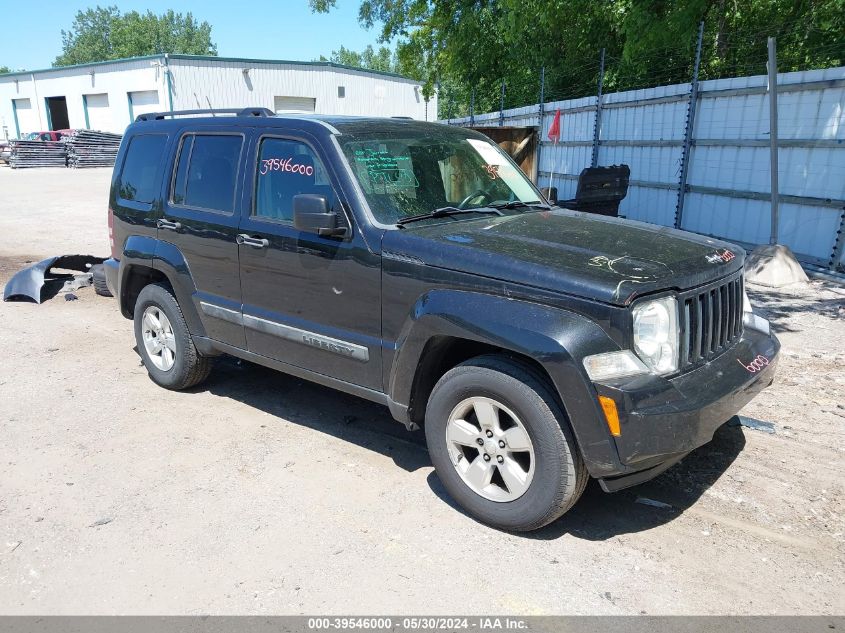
(77, 148)
(37, 154)
(89, 148)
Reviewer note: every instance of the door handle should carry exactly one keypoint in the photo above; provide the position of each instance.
(167, 224)
(256, 242)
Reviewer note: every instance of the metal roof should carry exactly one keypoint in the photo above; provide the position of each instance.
(213, 58)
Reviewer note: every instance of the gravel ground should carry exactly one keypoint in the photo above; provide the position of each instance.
(259, 493)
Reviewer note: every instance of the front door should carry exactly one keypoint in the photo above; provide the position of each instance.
(310, 301)
(201, 220)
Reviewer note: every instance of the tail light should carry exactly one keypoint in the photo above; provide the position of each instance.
(114, 252)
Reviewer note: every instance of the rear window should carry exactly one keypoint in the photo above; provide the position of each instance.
(138, 176)
(206, 171)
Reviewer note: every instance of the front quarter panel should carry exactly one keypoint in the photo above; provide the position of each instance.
(556, 338)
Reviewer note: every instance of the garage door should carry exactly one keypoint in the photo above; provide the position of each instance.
(99, 115)
(144, 101)
(27, 117)
(294, 104)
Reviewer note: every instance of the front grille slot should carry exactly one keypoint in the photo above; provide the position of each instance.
(711, 321)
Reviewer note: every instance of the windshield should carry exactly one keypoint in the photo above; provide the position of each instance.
(410, 172)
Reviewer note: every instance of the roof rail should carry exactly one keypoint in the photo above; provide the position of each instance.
(158, 116)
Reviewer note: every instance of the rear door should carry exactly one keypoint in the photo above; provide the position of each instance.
(200, 220)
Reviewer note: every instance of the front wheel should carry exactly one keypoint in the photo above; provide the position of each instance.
(501, 445)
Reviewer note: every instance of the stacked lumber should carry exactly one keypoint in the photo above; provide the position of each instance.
(90, 148)
(36, 154)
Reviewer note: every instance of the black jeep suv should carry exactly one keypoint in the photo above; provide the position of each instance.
(415, 265)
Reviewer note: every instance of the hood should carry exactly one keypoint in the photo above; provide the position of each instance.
(607, 259)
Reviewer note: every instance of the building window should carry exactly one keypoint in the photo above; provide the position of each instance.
(341, 92)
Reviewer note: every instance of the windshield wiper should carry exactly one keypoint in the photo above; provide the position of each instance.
(518, 204)
(443, 212)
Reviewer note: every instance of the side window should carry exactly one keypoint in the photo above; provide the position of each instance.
(177, 194)
(138, 176)
(287, 168)
(206, 171)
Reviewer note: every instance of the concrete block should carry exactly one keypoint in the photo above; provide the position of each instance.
(773, 265)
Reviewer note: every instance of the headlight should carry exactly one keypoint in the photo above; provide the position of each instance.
(656, 334)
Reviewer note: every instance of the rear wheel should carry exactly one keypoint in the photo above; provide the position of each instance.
(501, 445)
(164, 341)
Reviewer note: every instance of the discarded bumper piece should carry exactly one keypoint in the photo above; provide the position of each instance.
(31, 282)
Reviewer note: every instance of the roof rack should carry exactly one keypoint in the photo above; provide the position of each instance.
(158, 116)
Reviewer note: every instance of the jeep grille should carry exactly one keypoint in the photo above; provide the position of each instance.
(711, 321)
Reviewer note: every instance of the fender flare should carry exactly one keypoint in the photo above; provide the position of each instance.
(557, 339)
(153, 254)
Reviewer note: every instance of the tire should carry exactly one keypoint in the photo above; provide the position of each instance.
(98, 276)
(187, 368)
(559, 475)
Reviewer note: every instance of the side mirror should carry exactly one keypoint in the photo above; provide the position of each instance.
(311, 213)
(550, 194)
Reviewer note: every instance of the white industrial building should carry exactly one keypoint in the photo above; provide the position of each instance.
(109, 95)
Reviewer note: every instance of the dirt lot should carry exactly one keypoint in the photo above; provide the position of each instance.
(260, 493)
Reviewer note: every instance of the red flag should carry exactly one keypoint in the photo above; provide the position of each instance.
(554, 130)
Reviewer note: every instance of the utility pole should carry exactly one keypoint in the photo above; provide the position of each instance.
(472, 108)
(773, 136)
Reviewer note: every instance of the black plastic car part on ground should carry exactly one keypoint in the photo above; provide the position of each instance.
(382, 257)
(32, 282)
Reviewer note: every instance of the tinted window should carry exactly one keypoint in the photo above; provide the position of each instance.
(285, 169)
(406, 172)
(206, 171)
(181, 179)
(137, 179)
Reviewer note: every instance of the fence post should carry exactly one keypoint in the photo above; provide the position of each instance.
(502, 106)
(472, 108)
(685, 155)
(540, 109)
(597, 127)
(838, 243)
(773, 137)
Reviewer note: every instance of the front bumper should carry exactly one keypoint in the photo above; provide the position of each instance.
(664, 419)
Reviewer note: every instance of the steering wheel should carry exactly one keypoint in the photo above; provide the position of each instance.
(475, 194)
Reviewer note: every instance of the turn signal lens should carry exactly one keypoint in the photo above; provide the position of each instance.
(608, 405)
(613, 365)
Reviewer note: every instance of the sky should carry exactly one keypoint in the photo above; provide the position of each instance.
(271, 29)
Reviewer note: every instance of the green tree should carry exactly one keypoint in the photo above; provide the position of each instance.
(382, 59)
(476, 44)
(4, 69)
(101, 34)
